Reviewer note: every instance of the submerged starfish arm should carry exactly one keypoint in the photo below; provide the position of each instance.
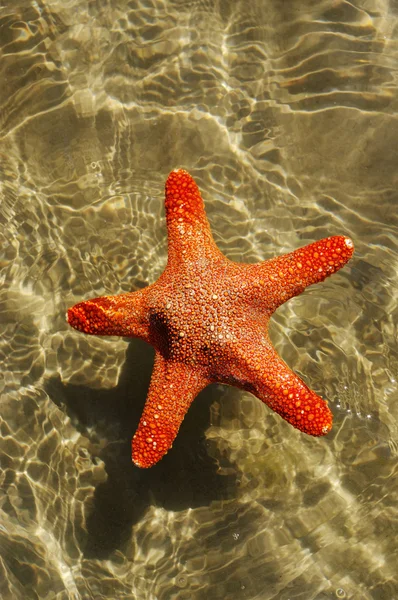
(290, 274)
(173, 387)
(268, 377)
(124, 314)
(189, 235)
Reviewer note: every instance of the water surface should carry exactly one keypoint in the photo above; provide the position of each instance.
(285, 113)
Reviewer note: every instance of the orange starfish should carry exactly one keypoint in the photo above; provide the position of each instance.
(207, 318)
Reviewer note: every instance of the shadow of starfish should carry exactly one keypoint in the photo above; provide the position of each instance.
(186, 478)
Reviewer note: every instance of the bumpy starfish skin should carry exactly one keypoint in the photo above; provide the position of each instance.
(207, 318)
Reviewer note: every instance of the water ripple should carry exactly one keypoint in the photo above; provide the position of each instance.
(285, 113)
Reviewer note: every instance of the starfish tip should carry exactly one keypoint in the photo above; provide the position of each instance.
(76, 317)
(138, 464)
(70, 316)
(326, 428)
(143, 459)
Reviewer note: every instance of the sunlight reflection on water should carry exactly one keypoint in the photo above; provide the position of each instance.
(285, 115)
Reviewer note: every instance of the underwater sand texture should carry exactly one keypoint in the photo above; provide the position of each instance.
(286, 115)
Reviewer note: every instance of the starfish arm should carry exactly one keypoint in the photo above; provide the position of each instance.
(189, 235)
(288, 396)
(124, 315)
(291, 273)
(262, 372)
(173, 388)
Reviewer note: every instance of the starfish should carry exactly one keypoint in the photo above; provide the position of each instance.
(207, 318)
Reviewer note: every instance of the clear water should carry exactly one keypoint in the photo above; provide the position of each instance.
(286, 114)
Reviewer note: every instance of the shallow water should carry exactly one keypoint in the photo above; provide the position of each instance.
(285, 113)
